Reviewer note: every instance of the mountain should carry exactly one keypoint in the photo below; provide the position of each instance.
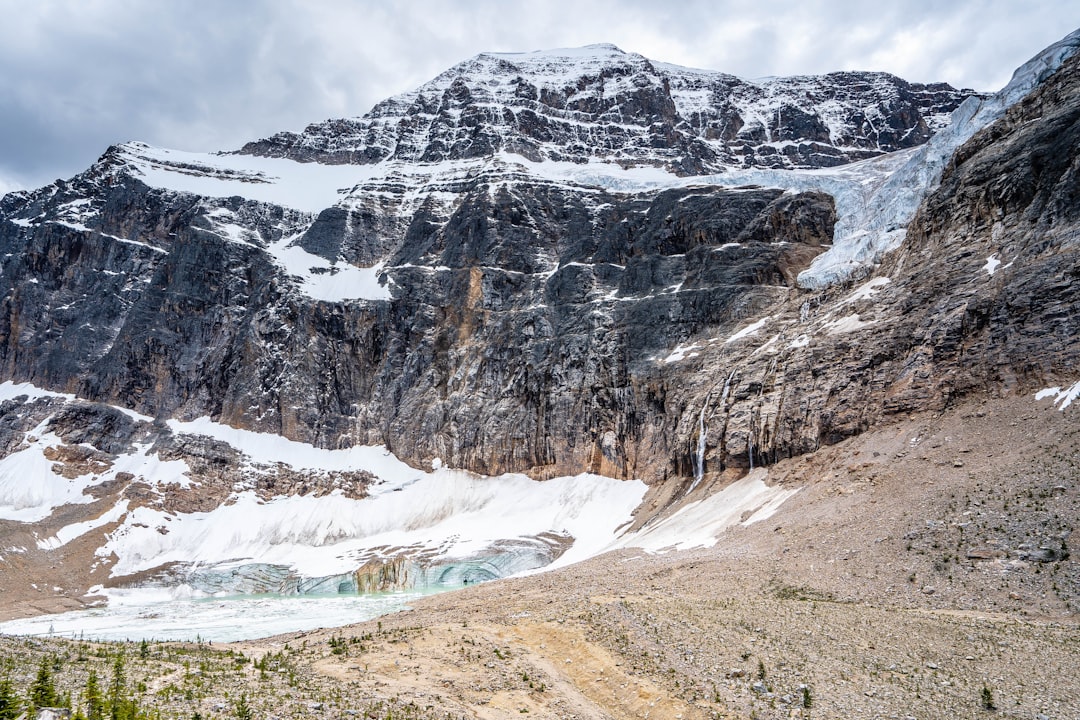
(286, 368)
(600, 103)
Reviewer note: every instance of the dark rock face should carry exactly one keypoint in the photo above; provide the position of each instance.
(1007, 205)
(520, 323)
(555, 328)
(981, 297)
(620, 107)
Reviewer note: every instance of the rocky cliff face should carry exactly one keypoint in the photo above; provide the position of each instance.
(980, 298)
(521, 324)
(519, 320)
(602, 103)
(488, 279)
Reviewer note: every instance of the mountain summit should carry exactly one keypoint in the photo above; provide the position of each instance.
(516, 317)
(600, 103)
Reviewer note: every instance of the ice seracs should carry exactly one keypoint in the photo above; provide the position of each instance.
(878, 226)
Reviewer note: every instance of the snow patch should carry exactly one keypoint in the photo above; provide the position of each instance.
(846, 324)
(304, 186)
(749, 329)
(331, 282)
(1061, 397)
(867, 290)
(699, 524)
(69, 532)
(991, 265)
(10, 390)
(318, 277)
(29, 489)
(681, 353)
(270, 449)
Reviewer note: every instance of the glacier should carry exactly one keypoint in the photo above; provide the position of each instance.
(878, 223)
(416, 531)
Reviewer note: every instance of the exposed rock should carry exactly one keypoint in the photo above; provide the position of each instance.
(548, 327)
(603, 103)
(598, 287)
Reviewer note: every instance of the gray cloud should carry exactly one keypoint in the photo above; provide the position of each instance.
(201, 75)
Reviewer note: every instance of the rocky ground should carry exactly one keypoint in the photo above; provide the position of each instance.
(922, 571)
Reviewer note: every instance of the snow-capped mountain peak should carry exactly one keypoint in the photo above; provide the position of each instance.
(599, 102)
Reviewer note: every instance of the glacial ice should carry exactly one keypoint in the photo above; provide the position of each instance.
(421, 530)
(863, 236)
(162, 614)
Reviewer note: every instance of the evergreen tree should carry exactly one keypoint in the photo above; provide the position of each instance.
(95, 703)
(242, 710)
(120, 706)
(10, 705)
(43, 689)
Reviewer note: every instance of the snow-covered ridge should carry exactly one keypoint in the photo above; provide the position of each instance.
(875, 197)
(601, 102)
(606, 106)
(310, 186)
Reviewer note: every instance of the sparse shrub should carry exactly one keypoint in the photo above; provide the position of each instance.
(987, 697)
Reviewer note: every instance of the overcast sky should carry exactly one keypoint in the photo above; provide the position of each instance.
(79, 75)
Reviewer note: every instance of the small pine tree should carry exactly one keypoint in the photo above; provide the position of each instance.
(807, 699)
(43, 689)
(117, 690)
(120, 705)
(988, 699)
(10, 705)
(242, 710)
(95, 702)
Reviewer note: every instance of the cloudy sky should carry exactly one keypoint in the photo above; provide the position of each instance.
(78, 75)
